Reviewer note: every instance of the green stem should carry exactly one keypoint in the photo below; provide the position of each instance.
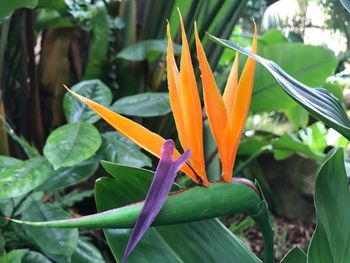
(251, 158)
(262, 219)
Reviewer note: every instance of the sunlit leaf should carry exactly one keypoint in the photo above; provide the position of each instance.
(22, 177)
(146, 49)
(321, 104)
(71, 144)
(332, 197)
(116, 148)
(76, 110)
(143, 105)
(57, 244)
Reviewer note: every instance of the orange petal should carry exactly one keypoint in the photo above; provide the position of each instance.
(143, 137)
(192, 110)
(231, 86)
(215, 109)
(174, 87)
(241, 103)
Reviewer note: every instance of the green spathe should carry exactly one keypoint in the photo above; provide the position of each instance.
(189, 205)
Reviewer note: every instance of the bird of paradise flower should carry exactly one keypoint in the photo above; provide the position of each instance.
(226, 115)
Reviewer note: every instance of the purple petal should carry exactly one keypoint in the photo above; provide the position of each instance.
(163, 179)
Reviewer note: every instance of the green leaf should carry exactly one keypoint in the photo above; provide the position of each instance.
(57, 244)
(318, 102)
(143, 105)
(22, 177)
(8, 7)
(273, 36)
(87, 253)
(6, 161)
(71, 144)
(147, 49)
(98, 49)
(68, 176)
(76, 110)
(309, 64)
(75, 196)
(35, 257)
(346, 4)
(48, 19)
(332, 198)
(295, 255)
(30, 150)
(14, 256)
(116, 148)
(314, 136)
(206, 239)
(289, 144)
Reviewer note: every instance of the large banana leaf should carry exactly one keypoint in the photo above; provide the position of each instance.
(321, 104)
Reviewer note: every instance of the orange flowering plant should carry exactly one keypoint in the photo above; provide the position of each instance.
(226, 115)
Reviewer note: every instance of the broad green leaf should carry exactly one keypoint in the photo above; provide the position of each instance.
(35, 257)
(330, 241)
(309, 64)
(295, 255)
(68, 176)
(76, 110)
(205, 239)
(321, 104)
(86, 253)
(57, 244)
(117, 148)
(6, 161)
(49, 18)
(314, 136)
(98, 49)
(71, 144)
(346, 4)
(273, 36)
(8, 7)
(146, 49)
(143, 105)
(75, 196)
(22, 177)
(289, 144)
(14, 256)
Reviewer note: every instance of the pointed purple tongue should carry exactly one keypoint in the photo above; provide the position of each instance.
(163, 179)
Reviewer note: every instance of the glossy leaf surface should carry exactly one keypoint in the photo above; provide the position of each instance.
(146, 49)
(22, 177)
(295, 255)
(68, 176)
(57, 244)
(87, 253)
(71, 144)
(321, 104)
(143, 105)
(76, 110)
(332, 198)
(116, 148)
(192, 242)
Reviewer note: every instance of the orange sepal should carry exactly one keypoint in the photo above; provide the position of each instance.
(215, 109)
(241, 102)
(191, 106)
(173, 76)
(143, 137)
